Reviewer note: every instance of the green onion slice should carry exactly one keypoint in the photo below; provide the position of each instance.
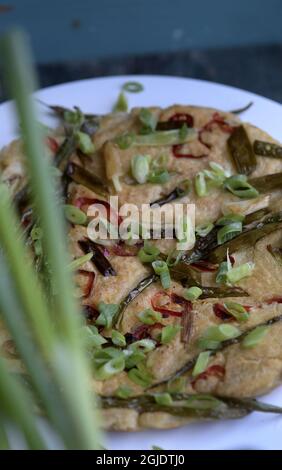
(92, 338)
(237, 311)
(221, 333)
(158, 177)
(193, 293)
(159, 138)
(148, 253)
(121, 105)
(230, 219)
(227, 232)
(150, 317)
(201, 364)
(200, 185)
(204, 229)
(239, 186)
(143, 345)
(133, 87)
(140, 168)
(169, 332)
(78, 262)
(125, 141)
(124, 392)
(74, 215)
(84, 143)
(148, 119)
(140, 377)
(118, 339)
(240, 272)
(254, 337)
(162, 270)
(163, 399)
(107, 314)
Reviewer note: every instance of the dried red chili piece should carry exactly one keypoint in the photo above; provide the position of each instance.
(213, 371)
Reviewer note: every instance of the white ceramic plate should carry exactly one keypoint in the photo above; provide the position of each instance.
(257, 431)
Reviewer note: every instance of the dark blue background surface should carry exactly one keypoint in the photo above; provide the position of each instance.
(233, 42)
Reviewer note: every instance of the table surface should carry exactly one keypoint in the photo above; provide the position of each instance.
(253, 68)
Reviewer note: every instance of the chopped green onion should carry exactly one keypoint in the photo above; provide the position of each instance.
(84, 143)
(158, 177)
(110, 368)
(121, 105)
(133, 87)
(204, 343)
(74, 215)
(183, 132)
(140, 377)
(239, 186)
(254, 337)
(148, 119)
(148, 253)
(221, 277)
(107, 362)
(202, 402)
(92, 338)
(143, 345)
(162, 270)
(201, 364)
(125, 141)
(118, 339)
(227, 232)
(159, 138)
(169, 332)
(204, 229)
(123, 392)
(237, 311)
(240, 272)
(193, 293)
(76, 263)
(140, 168)
(163, 399)
(200, 185)
(107, 314)
(219, 170)
(74, 118)
(150, 317)
(159, 162)
(230, 219)
(133, 358)
(173, 258)
(221, 333)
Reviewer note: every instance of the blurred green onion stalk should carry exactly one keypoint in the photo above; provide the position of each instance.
(44, 326)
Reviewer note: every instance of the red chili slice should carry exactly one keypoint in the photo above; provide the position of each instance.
(213, 371)
(89, 285)
(52, 144)
(163, 309)
(204, 266)
(221, 312)
(219, 121)
(276, 299)
(183, 117)
(86, 201)
(176, 149)
(171, 299)
(120, 249)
